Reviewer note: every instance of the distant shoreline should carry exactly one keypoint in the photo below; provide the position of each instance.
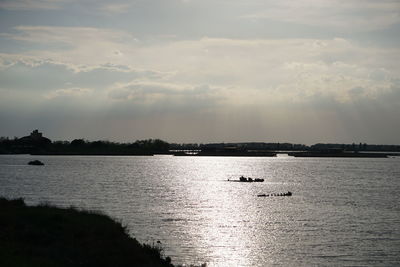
(216, 154)
(37, 144)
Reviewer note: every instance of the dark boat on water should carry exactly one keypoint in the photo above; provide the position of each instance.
(247, 180)
(288, 194)
(35, 162)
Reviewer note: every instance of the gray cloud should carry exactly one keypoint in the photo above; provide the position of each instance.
(31, 4)
(41, 76)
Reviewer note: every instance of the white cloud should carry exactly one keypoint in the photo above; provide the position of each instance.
(254, 70)
(10, 60)
(69, 92)
(115, 8)
(262, 68)
(340, 81)
(75, 45)
(346, 15)
(169, 95)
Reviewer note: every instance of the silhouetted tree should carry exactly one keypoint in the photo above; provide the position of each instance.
(78, 142)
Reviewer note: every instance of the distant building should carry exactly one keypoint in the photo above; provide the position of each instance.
(35, 137)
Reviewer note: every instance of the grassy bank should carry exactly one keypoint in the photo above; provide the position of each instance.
(50, 236)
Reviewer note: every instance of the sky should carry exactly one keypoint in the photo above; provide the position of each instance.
(299, 71)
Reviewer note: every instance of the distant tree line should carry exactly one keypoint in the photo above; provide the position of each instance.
(42, 145)
(260, 146)
(356, 147)
(82, 147)
(240, 146)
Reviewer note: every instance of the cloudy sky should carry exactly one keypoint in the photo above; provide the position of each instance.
(301, 71)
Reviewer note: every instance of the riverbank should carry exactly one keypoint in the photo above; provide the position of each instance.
(50, 236)
(325, 154)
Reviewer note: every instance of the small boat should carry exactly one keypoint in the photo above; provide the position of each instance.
(248, 180)
(288, 194)
(35, 162)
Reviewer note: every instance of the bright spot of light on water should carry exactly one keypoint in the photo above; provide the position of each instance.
(229, 211)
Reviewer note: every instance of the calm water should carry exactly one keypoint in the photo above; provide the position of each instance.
(344, 212)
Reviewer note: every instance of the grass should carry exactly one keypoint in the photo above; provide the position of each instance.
(50, 236)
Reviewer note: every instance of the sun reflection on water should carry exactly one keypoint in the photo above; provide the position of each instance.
(229, 212)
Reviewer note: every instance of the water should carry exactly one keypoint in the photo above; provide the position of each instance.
(344, 212)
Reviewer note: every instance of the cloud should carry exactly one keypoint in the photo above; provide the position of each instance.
(254, 70)
(281, 70)
(66, 35)
(69, 93)
(167, 96)
(340, 81)
(32, 4)
(74, 45)
(344, 15)
(43, 75)
(115, 8)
